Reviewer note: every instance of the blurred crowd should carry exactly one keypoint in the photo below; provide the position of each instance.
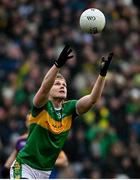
(105, 142)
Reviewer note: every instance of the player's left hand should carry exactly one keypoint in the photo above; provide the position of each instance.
(105, 64)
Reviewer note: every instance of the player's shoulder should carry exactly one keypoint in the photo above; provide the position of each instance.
(37, 110)
(69, 101)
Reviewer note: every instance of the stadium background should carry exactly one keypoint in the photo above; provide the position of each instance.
(105, 142)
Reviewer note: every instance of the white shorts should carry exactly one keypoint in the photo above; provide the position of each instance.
(23, 171)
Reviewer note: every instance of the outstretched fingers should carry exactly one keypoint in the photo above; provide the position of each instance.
(69, 51)
(69, 57)
(110, 56)
(66, 47)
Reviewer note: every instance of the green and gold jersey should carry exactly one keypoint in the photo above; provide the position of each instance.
(48, 130)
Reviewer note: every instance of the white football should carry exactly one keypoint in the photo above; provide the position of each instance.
(92, 21)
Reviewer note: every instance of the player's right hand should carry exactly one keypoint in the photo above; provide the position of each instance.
(64, 56)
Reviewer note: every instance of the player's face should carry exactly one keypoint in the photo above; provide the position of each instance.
(59, 89)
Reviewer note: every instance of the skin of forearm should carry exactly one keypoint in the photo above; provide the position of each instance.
(10, 160)
(43, 92)
(87, 102)
(49, 79)
(61, 162)
(97, 89)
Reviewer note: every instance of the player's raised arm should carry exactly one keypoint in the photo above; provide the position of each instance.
(86, 102)
(41, 96)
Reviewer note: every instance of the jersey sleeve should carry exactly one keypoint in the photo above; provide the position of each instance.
(35, 110)
(71, 107)
(75, 114)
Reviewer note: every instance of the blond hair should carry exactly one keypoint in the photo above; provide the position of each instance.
(60, 76)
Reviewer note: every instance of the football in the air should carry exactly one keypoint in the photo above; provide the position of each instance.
(92, 21)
